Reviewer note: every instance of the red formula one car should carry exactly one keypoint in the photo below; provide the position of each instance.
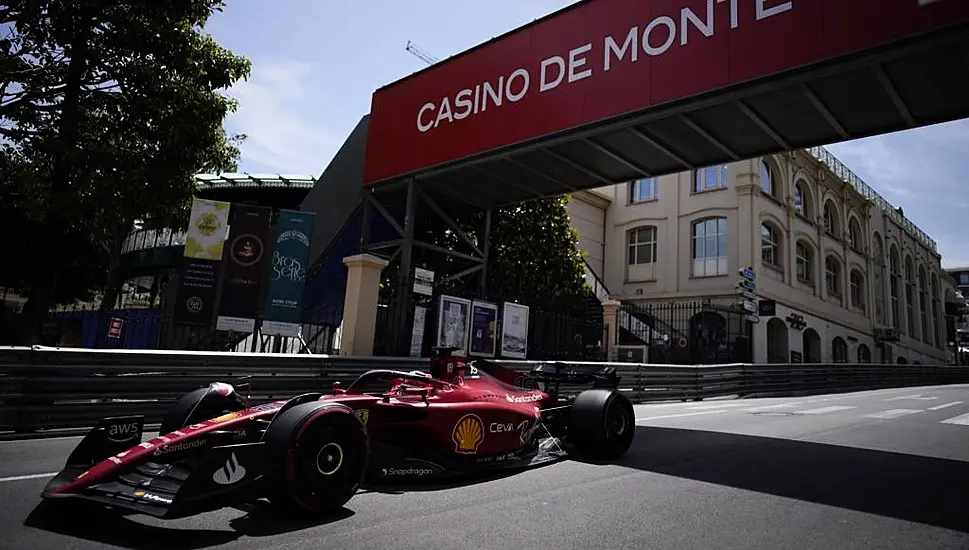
(313, 452)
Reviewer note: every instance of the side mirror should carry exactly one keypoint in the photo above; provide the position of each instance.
(337, 389)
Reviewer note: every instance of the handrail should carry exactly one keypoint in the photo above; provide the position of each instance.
(599, 287)
(144, 239)
(845, 173)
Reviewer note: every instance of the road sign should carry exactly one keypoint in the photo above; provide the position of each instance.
(747, 273)
(752, 318)
(746, 294)
(114, 327)
(745, 284)
(750, 306)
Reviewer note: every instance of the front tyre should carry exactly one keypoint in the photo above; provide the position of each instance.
(316, 457)
(602, 424)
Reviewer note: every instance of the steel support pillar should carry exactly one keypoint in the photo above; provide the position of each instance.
(401, 336)
(484, 244)
(365, 219)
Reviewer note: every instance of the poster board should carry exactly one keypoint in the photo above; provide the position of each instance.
(484, 329)
(453, 323)
(514, 331)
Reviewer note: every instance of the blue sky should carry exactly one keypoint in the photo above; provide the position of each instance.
(316, 64)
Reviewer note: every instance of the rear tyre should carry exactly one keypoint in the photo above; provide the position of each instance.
(201, 405)
(602, 424)
(316, 457)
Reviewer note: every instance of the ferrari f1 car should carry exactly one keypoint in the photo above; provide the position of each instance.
(311, 453)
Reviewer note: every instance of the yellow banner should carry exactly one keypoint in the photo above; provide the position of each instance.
(207, 229)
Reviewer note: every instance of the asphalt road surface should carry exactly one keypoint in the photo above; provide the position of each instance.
(883, 469)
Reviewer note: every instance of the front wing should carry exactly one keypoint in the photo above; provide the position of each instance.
(223, 476)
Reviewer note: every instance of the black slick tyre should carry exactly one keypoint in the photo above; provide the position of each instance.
(602, 424)
(316, 457)
(198, 406)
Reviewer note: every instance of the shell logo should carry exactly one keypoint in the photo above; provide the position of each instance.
(468, 434)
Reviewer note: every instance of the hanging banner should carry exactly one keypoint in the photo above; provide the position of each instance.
(287, 278)
(244, 269)
(198, 280)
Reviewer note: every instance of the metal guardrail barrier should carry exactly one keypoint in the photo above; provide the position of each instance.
(45, 389)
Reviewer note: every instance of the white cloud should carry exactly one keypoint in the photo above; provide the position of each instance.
(276, 108)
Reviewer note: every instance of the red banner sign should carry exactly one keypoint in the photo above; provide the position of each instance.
(603, 58)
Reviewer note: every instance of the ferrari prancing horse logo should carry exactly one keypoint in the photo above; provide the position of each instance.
(468, 434)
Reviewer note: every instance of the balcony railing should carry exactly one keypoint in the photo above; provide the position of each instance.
(144, 239)
(845, 173)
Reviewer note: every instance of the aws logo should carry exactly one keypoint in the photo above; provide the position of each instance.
(122, 433)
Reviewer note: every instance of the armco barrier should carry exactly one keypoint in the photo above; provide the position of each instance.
(57, 388)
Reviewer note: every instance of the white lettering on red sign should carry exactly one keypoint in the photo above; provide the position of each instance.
(653, 39)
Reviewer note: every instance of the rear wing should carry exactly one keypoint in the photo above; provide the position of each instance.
(553, 375)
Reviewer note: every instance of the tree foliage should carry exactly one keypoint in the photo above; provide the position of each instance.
(109, 108)
(533, 255)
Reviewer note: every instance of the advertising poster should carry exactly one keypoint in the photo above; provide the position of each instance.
(484, 329)
(514, 331)
(244, 268)
(287, 277)
(198, 281)
(453, 319)
(417, 335)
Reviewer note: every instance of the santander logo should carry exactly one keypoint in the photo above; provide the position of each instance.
(231, 472)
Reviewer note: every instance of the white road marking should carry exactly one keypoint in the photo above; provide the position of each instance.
(826, 410)
(961, 420)
(946, 406)
(916, 397)
(770, 407)
(638, 419)
(703, 407)
(26, 477)
(893, 413)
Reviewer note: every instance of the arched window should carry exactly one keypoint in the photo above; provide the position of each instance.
(857, 293)
(805, 262)
(767, 184)
(895, 281)
(710, 178)
(831, 221)
(864, 354)
(924, 305)
(802, 200)
(839, 350)
(878, 277)
(856, 240)
(832, 276)
(642, 245)
(710, 247)
(642, 190)
(910, 296)
(936, 299)
(770, 246)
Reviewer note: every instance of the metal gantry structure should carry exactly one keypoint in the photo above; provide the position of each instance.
(421, 54)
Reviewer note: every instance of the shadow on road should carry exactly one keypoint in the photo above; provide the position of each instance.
(262, 520)
(113, 526)
(931, 491)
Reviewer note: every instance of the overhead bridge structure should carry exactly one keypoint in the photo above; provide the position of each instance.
(606, 91)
